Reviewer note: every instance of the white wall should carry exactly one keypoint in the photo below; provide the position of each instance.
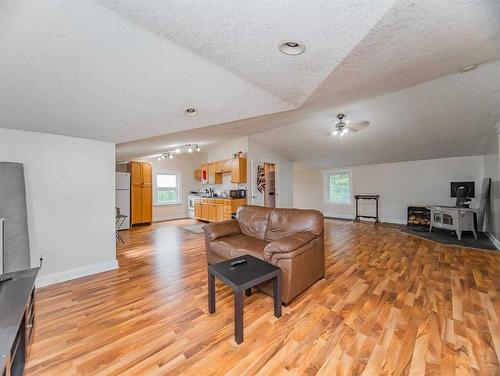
(186, 164)
(259, 153)
(227, 149)
(399, 185)
(492, 170)
(222, 152)
(70, 194)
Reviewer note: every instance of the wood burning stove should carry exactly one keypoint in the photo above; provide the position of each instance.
(419, 218)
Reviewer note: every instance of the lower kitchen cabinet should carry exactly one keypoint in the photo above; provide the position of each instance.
(216, 209)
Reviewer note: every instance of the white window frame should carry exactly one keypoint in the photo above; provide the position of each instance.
(179, 187)
(326, 187)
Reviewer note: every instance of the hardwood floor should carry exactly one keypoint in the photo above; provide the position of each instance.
(390, 303)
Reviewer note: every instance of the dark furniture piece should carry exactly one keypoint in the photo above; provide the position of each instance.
(419, 218)
(17, 319)
(241, 278)
(120, 218)
(367, 197)
(291, 239)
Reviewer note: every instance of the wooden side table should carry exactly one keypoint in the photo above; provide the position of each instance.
(242, 278)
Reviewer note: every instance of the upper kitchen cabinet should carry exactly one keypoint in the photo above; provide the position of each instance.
(239, 170)
(227, 165)
(211, 173)
(213, 177)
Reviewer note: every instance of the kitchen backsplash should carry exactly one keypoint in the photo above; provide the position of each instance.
(225, 186)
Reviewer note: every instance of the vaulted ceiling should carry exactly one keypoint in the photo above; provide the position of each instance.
(125, 70)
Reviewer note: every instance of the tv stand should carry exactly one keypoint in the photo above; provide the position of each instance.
(17, 319)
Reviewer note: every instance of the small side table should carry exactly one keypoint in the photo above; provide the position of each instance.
(367, 197)
(242, 278)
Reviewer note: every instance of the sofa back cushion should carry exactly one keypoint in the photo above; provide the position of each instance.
(253, 220)
(285, 222)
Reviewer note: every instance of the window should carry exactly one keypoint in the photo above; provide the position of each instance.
(338, 187)
(167, 188)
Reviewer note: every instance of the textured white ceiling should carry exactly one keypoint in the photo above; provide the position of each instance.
(124, 71)
(243, 36)
(450, 116)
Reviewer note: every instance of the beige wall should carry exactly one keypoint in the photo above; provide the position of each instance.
(259, 153)
(186, 164)
(70, 195)
(492, 170)
(399, 184)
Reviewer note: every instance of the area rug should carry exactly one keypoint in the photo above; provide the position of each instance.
(450, 238)
(195, 229)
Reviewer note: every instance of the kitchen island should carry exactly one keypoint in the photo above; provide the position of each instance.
(216, 209)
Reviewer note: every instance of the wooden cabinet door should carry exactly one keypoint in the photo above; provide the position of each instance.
(239, 170)
(147, 174)
(197, 210)
(135, 204)
(204, 211)
(147, 204)
(228, 165)
(219, 213)
(211, 212)
(211, 173)
(235, 170)
(135, 169)
(218, 167)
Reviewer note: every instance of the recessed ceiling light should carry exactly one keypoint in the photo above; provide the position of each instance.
(292, 47)
(468, 68)
(191, 111)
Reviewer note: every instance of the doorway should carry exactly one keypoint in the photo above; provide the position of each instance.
(270, 186)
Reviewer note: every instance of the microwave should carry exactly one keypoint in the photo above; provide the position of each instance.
(238, 193)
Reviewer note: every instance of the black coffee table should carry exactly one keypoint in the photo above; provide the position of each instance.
(242, 278)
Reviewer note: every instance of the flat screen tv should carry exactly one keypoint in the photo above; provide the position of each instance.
(469, 188)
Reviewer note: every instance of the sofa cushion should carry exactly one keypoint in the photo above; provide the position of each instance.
(253, 220)
(285, 222)
(237, 245)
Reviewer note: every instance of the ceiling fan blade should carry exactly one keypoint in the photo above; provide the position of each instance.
(324, 131)
(358, 126)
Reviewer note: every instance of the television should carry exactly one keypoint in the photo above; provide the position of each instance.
(468, 185)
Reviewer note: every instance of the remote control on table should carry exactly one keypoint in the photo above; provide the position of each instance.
(238, 262)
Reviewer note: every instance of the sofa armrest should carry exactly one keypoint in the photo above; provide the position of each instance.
(218, 230)
(291, 245)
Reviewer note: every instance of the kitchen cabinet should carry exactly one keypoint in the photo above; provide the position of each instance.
(213, 178)
(239, 170)
(141, 192)
(211, 173)
(219, 167)
(216, 209)
(227, 165)
(197, 174)
(197, 210)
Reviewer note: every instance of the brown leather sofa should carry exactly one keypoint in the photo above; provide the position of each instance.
(291, 239)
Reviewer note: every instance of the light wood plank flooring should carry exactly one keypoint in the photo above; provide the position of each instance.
(390, 304)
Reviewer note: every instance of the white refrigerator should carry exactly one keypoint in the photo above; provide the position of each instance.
(123, 197)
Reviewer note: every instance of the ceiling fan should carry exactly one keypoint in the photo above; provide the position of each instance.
(342, 127)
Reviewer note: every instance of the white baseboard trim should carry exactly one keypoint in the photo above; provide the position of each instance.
(169, 218)
(494, 240)
(338, 216)
(350, 216)
(50, 279)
